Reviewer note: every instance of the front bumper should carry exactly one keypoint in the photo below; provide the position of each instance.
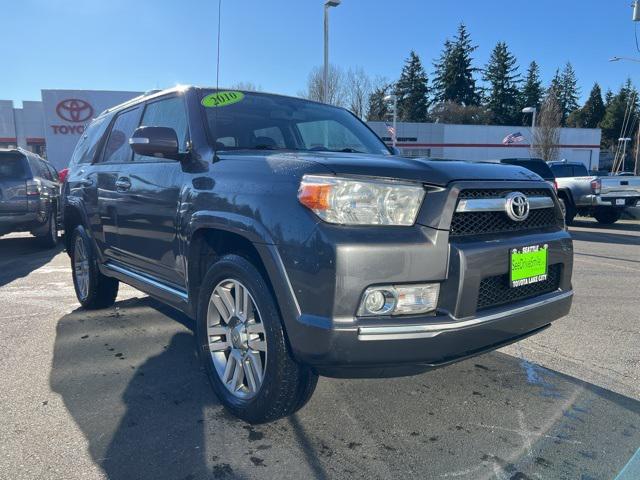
(329, 336)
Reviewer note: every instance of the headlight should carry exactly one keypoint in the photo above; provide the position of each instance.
(350, 201)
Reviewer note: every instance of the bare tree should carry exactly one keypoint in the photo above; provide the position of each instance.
(336, 90)
(247, 86)
(358, 86)
(547, 131)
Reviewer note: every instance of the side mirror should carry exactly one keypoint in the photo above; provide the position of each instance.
(155, 142)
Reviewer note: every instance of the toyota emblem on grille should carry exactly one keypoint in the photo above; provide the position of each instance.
(517, 206)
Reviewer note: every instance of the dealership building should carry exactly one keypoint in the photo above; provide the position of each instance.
(52, 126)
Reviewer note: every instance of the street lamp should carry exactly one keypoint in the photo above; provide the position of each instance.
(533, 110)
(325, 79)
(394, 135)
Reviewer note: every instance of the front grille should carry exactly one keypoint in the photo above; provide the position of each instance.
(479, 223)
(495, 291)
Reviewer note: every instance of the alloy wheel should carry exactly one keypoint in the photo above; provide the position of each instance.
(236, 338)
(81, 267)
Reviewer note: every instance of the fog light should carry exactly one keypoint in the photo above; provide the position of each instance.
(399, 300)
(377, 301)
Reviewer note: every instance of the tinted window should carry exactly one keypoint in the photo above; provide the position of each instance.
(44, 169)
(53, 172)
(117, 149)
(166, 113)
(36, 167)
(87, 146)
(580, 171)
(267, 122)
(12, 167)
(561, 171)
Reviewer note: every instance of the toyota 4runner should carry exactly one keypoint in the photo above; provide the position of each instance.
(302, 247)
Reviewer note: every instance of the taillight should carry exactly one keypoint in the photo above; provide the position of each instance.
(596, 186)
(34, 187)
(555, 185)
(62, 175)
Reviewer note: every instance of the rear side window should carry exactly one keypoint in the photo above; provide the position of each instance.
(117, 149)
(562, 171)
(12, 167)
(580, 171)
(44, 169)
(170, 113)
(88, 144)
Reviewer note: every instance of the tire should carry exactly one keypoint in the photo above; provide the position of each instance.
(93, 289)
(607, 216)
(285, 386)
(569, 211)
(49, 239)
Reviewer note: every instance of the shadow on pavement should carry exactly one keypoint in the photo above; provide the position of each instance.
(130, 379)
(629, 226)
(21, 255)
(604, 236)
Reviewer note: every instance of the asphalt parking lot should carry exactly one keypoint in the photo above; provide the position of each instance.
(119, 394)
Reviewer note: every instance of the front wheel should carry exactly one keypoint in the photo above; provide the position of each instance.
(243, 347)
(93, 289)
(607, 216)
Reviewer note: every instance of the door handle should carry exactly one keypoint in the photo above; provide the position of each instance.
(123, 184)
(86, 182)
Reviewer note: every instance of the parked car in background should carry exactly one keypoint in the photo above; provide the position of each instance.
(603, 198)
(29, 195)
(536, 165)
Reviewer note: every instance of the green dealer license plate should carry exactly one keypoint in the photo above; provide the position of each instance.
(528, 265)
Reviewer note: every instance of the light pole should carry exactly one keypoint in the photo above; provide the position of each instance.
(534, 111)
(395, 117)
(325, 78)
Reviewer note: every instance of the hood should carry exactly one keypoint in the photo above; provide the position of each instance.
(434, 172)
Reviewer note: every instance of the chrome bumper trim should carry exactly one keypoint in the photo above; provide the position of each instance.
(402, 332)
(498, 204)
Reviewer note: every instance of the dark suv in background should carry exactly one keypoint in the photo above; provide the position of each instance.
(302, 247)
(29, 195)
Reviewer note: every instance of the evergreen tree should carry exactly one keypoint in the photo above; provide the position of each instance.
(614, 117)
(412, 91)
(592, 113)
(501, 73)
(378, 107)
(532, 90)
(453, 78)
(608, 97)
(564, 86)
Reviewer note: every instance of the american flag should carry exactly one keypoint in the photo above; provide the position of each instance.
(513, 138)
(390, 129)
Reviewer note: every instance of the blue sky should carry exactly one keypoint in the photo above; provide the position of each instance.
(143, 44)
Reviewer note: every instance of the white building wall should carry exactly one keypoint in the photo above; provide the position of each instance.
(7, 124)
(484, 142)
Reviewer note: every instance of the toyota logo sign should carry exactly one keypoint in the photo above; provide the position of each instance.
(74, 110)
(517, 206)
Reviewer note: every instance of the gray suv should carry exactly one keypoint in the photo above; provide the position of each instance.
(29, 195)
(301, 246)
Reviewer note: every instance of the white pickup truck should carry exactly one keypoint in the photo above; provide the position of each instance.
(603, 198)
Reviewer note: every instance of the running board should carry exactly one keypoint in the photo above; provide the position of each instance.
(148, 281)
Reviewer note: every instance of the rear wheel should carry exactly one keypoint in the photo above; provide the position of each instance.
(93, 289)
(569, 211)
(243, 348)
(49, 238)
(607, 216)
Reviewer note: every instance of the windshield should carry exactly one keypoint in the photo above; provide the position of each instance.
(271, 122)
